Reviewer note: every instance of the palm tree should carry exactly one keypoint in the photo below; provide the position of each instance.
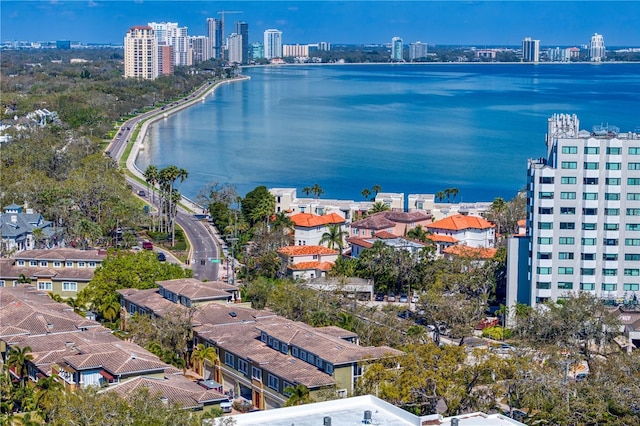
(88, 231)
(110, 309)
(167, 177)
(151, 177)
(201, 354)
(298, 395)
(345, 320)
(49, 389)
(440, 195)
(418, 233)
(77, 307)
(38, 237)
(366, 193)
(317, 191)
(378, 207)
(376, 189)
(281, 222)
(23, 279)
(334, 237)
(454, 193)
(19, 358)
(447, 193)
(307, 190)
(498, 207)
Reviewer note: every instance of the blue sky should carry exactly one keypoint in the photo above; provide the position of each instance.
(555, 23)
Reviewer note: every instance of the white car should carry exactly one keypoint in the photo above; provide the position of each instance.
(415, 298)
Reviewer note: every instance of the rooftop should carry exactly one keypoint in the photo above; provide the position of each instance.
(308, 220)
(460, 222)
(473, 252)
(62, 254)
(306, 250)
(195, 289)
(389, 219)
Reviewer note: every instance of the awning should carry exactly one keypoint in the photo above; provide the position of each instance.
(106, 375)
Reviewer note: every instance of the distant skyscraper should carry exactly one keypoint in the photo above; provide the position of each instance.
(396, 49)
(295, 50)
(596, 48)
(177, 37)
(234, 48)
(417, 50)
(323, 45)
(140, 53)
(257, 50)
(214, 32)
(242, 28)
(165, 59)
(200, 48)
(272, 44)
(530, 50)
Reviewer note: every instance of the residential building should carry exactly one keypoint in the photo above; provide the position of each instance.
(165, 59)
(417, 50)
(393, 200)
(597, 50)
(486, 53)
(530, 50)
(200, 48)
(324, 46)
(480, 253)
(140, 53)
(583, 217)
(61, 271)
(295, 50)
(234, 48)
(288, 201)
(192, 292)
(309, 228)
(171, 34)
(470, 231)
(242, 28)
(17, 229)
(427, 203)
(394, 222)
(272, 44)
(397, 243)
(214, 33)
(306, 262)
(257, 50)
(397, 49)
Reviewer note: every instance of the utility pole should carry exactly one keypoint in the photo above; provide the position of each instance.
(222, 13)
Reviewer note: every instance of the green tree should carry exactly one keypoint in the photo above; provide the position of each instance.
(298, 395)
(317, 191)
(378, 207)
(376, 189)
(19, 359)
(333, 237)
(418, 233)
(258, 205)
(366, 193)
(202, 354)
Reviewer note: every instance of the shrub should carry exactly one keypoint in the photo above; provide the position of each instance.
(496, 333)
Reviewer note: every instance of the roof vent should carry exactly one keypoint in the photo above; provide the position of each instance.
(232, 314)
(367, 417)
(326, 421)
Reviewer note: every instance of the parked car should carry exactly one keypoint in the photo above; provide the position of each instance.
(147, 245)
(415, 298)
(142, 193)
(162, 257)
(406, 314)
(379, 297)
(391, 297)
(403, 298)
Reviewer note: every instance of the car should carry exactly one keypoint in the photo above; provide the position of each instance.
(406, 314)
(379, 297)
(504, 348)
(141, 193)
(403, 298)
(391, 297)
(162, 257)
(147, 245)
(415, 298)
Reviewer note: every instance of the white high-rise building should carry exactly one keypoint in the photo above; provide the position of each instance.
(295, 50)
(234, 48)
(583, 217)
(396, 49)
(200, 48)
(272, 44)
(530, 50)
(140, 53)
(417, 50)
(176, 37)
(214, 32)
(597, 51)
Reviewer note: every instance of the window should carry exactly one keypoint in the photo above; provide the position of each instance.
(243, 366)
(590, 211)
(565, 255)
(566, 240)
(569, 165)
(2, 283)
(591, 150)
(294, 351)
(611, 226)
(567, 195)
(319, 362)
(286, 385)
(544, 255)
(609, 287)
(45, 285)
(612, 166)
(310, 358)
(632, 241)
(632, 256)
(81, 264)
(633, 181)
(634, 166)
(590, 181)
(587, 286)
(612, 181)
(611, 196)
(545, 225)
(263, 337)
(20, 263)
(588, 241)
(545, 195)
(303, 355)
(610, 241)
(633, 212)
(545, 240)
(274, 382)
(276, 344)
(69, 286)
(68, 264)
(92, 264)
(569, 149)
(57, 264)
(631, 287)
(229, 359)
(545, 210)
(632, 272)
(546, 179)
(634, 150)
(589, 226)
(567, 225)
(284, 348)
(591, 165)
(614, 151)
(568, 180)
(612, 212)
(328, 368)
(609, 256)
(543, 270)
(567, 210)
(609, 272)
(563, 270)
(33, 263)
(590, 196)
(587, 271)
(256, 373)
(563, 285)
(543, 285)
(588, 256)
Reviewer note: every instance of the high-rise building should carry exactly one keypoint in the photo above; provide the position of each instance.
(257, 50)
(165, 59)
(417, 50)
(234, 48)
(272, 44)
(214, 32)
(323, 45)
(597, 51)
(140, 53)
(200, 48)
(583, 217)
(295, 50)
(177, 37)
(242, 28)
(530, 50)
(396, 49)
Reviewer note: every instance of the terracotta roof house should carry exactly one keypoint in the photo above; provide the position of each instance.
(308, 228)
(397, 223)
(472, 231)
(308, 261)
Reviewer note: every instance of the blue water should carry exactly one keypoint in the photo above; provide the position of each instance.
(407, 128)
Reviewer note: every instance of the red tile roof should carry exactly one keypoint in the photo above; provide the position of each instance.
(308, 220)
(306, 250)
(362, 242)
(442, 238)
(384, 235)
(389, 219)
(459, 222)
(466, 251)
(322, 266)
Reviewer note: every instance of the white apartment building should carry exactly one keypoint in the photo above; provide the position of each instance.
(530, 50)
(295, 50)
(235, 48)
(396, 49)
(140, 53)
(177, 37)
(200, 48)
(597, 51)
(583, 217)
(272, 44)
(417, 50)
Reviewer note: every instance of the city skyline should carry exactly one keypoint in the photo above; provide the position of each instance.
(434, 22)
